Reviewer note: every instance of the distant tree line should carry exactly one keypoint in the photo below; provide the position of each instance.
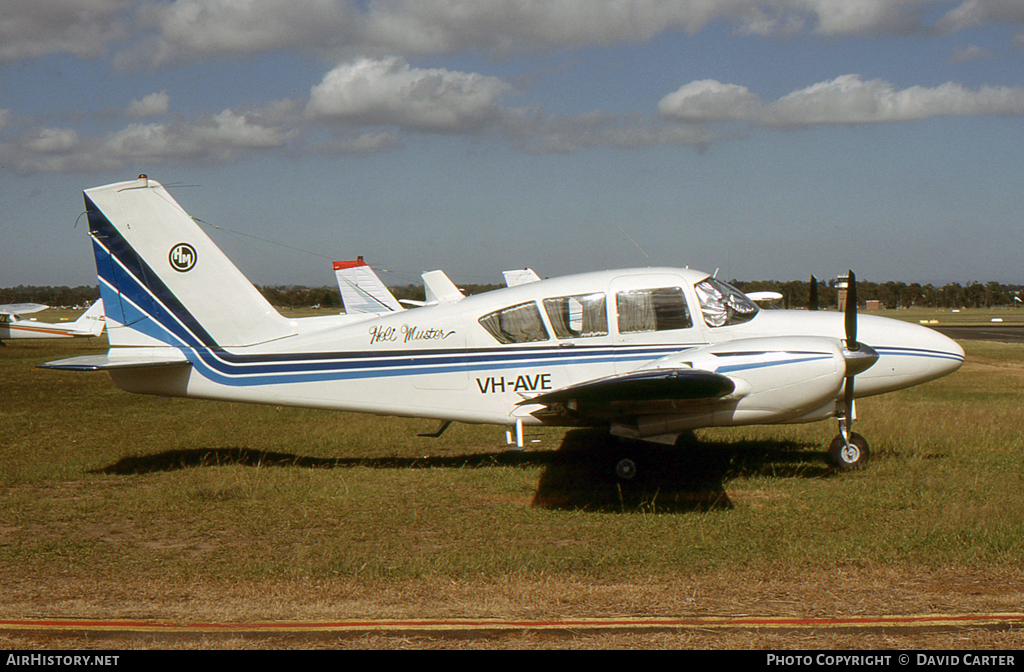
(795, 294)
(51, 296)
(894, 295)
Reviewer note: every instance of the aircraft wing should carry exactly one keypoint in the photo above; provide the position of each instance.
(21, 308)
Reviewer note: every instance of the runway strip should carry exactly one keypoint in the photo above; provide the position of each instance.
(454, 626)
(1001, 333)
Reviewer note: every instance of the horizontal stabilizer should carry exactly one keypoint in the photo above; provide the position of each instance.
(108, 362)
(522, 276)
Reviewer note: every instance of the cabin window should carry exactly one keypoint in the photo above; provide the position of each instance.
(652, 310)
(722, 304)
(517, 324)
(581, 316)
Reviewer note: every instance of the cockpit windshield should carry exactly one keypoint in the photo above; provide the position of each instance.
(722, 304)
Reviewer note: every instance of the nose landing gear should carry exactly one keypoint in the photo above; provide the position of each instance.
(848, 450)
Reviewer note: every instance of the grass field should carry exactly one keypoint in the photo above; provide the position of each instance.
(114, 506)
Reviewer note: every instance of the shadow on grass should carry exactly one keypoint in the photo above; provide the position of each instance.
(579, 475)
(173, 460)
(686, 477)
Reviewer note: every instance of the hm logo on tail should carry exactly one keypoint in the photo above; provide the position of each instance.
(182, 257)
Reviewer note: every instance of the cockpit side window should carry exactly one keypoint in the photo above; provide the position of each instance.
(722, 304)
(521, 323)
(581, 316)
(652, 310)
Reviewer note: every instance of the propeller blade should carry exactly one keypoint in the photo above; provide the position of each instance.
(851, 312)
(812, 301)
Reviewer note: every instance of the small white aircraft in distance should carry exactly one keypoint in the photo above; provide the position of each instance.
(362, 290)
(765, 299)
(12, 325)
(647, 353)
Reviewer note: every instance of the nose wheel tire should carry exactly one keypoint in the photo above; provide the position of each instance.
(852, 455)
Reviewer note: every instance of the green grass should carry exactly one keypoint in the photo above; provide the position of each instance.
(99, 483)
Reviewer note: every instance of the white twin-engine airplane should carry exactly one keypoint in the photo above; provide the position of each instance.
(12, 325)
(647, 353)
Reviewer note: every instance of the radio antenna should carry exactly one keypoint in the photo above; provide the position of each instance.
(646, 256)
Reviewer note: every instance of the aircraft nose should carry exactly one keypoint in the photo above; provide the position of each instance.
(910, 354)
(951, 355)
(942, 354)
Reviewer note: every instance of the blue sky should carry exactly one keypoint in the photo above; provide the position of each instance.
(770, 139)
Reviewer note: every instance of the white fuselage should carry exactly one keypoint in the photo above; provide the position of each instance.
(441, 362)
(16, 327)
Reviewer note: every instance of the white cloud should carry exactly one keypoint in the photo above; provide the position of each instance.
(391, 92)
(211, 139)
(844, 100)
(215, 139)
(972, 13)
(155, 33)
(53, 141)
(709, 100)
(85, 28)
(189, 30)
(153, 105)
(866, 17)
(850, 100)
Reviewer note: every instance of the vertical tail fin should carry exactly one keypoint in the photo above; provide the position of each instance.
(163, 281)
(362, 291)
(90, 323)
(440, 289)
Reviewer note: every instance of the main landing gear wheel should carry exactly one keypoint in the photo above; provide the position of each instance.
(852, 455)
(625, 469)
